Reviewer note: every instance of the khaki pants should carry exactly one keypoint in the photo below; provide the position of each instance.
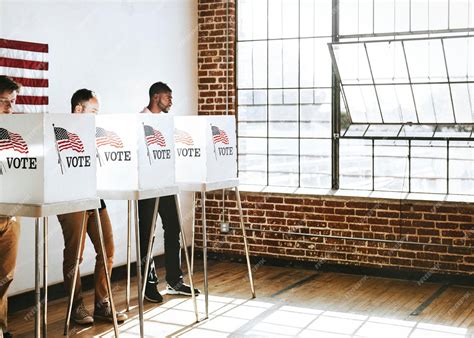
(71, 225)
(9, 237)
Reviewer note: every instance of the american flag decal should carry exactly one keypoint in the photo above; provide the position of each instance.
(153, 136)
(27, 64)
(105, 137)
(180, 136)
(218, 135)
(9, 140)
(66, 140)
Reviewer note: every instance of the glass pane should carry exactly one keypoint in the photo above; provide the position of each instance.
(384, 16)
(402, 16)
(425, 60)
(396, 103)
(433, 103)
(463, 100)
(463, 131)
(283, 64)
(438, 12)
(252, 67)
(315, 120)
(459, 14)
(389, 130)
(252, 113)
(418, 131)
(283, 120)
(283, 19)
(252, 97)
(253, 129)
(352, 63)
(315, 18)
(254, 146)
(283, 179)
(348, 21)
(313, 96)
(288, 96)
(253, 162)
(388, 62)
(356, 130)
(461, 168)
(391, 166)
(363, 105)
(252, 16)
(315, 63)
(459, 57)
(316, 163)
(428, 167)
(419, 15)
(253, 177)
(355, 164)
(283, 159)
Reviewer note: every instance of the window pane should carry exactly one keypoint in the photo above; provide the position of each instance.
(255, 146)
(425, 60)
(283, 162)
(396, 103)
(283, 64)
(428, 167)
(355, 16)
(316, 163)
(459, 57)
(252, 70)
(463, 100)
(363, 105)
(438, 14)
(315, 17)
(252, 113)
(388, 62)
(252, 16)
(252, 129)
(352, 63)
(459, 14)
(315, 63)
(378, 130)
(252, 97)
(461, 168)
(419, 15)
(355, 164)
(283, 19)
(384, 16)
(288, 96)
(283, 120)
(433, 103)
(402, 16)
(391, 166)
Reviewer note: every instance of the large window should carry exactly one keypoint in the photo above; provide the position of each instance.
(405, 73)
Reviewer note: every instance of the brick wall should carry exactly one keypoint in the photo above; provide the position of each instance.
(427, 236)
(212, 21)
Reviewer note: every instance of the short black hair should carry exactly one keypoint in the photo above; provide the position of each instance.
(159, 88)
(7, 84)
(80, 96)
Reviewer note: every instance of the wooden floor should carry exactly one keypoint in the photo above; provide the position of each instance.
(290, 302)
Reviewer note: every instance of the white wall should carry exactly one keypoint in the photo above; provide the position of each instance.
(118, 49)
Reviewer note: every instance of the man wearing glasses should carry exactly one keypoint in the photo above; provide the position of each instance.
(9, 227)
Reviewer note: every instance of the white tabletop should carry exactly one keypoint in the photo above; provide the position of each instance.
(208, 186)
(48, 209)
(137, 194)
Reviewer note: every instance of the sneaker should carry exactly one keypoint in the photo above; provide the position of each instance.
(181, 289)
(152, 294)
(81, 315)
(103, 311)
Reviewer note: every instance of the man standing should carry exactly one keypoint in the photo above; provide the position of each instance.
(9, 227)
(82, 102)
(160, 101)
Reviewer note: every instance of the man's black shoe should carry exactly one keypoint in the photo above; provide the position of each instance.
(152, 294)
(7, 335)
(180, 289)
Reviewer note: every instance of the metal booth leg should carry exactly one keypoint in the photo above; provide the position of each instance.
(129, 252)
(139, 270)
(37, 280)
(190, 271)
(76, 271)
(237, 193)
(107, 276)
(193, 224)
(204, 252)
(45, 276)
(151, 239)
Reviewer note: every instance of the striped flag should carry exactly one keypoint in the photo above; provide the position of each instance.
(67, 140)
(153, 136)
(180, 136)
(218, 135)
(27, 64)
(105, 137)
(9, 140)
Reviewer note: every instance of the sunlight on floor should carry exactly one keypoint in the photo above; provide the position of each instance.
(240, 317)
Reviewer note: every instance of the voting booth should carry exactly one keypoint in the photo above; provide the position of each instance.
(206, 148)
(41, 152)
(134, 151)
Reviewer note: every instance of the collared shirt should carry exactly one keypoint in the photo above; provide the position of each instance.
(146, 111)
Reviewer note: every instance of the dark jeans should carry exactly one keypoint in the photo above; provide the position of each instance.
(169, 216)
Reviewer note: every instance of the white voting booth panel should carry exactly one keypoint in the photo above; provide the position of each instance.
(134, 151)
(47, 158)
(205, 148)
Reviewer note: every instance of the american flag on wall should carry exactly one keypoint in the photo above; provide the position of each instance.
(9, 140)
(66, 140)
(180, 136)
(218, 135)
(105, 137)
(153, 136)
(27, 64)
